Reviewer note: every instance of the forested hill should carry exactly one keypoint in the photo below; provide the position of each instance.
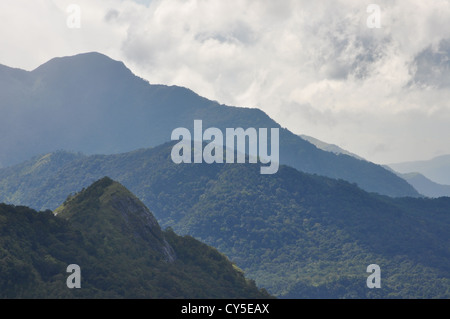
(119, 247)
(296, 234)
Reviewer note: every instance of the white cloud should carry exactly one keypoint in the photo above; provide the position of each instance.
(314, 66)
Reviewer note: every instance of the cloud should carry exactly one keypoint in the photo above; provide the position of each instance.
(431, 67)
(314, 66)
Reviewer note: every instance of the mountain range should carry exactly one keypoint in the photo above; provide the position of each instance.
(92, 104)
(308, 231)
(421, 184)
(436, 169)
(119, 248)
(296, 234)
(329, 147)
(425, 186)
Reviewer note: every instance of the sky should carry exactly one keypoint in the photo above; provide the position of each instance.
(371, 77)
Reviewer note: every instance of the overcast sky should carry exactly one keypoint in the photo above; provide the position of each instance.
(320, 68)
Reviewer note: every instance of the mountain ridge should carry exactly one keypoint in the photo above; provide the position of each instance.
(436, 169)
(426, 186)
(329, 147)
(96, 105)
(120, 250)
(284, 229)
(118, 204)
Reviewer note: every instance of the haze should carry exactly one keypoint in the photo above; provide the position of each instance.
(315, 67)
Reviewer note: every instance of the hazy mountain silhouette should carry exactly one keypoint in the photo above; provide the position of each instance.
(329, 147)
(436, 169)
(425, 186)
(93, 104)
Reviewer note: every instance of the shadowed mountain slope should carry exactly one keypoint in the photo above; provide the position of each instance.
(95, 105)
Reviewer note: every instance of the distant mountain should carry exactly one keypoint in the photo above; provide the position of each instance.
(119, 247)
(297, 235)
(95, 105)
(426, 186)
(329, 147)
(423, 185)
(436, 169)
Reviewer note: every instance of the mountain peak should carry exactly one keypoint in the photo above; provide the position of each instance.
(109, 211)
(95, 105)
(119, 248)
(83, 66)
(88, 58)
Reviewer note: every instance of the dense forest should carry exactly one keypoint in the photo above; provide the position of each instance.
(297, 235)
(120, 249)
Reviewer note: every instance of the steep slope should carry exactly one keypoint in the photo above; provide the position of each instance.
(108, 212)
(120, 248)
(296, 234)
(93, 104)
(328, 147)
(436, 169)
